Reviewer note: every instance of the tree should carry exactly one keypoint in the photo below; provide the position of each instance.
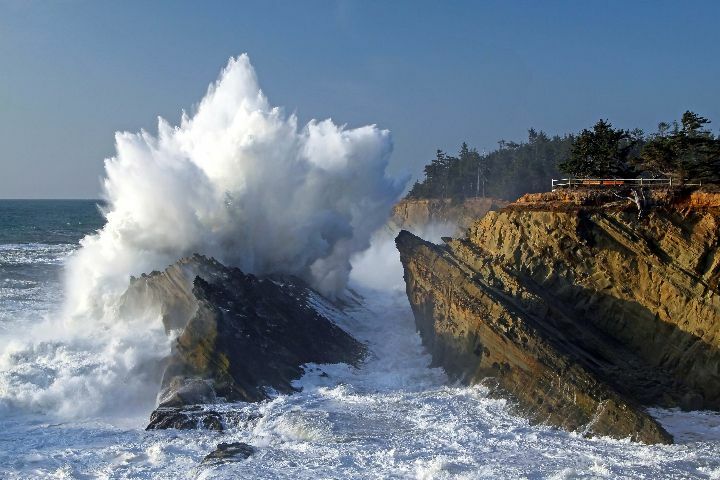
(659, 156)
(479, 172)
(688, 151)
(698, 151)
(507, 173)
(462, 185)
(601, 152)
(437, 174)
(692, 124)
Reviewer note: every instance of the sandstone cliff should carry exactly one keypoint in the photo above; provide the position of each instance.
(456, 215)
(579, 310)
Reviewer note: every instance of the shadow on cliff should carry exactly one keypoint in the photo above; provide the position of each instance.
(627, 345)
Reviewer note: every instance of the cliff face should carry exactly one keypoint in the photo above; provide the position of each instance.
(237, 336)
(581, 311)
(458, 215)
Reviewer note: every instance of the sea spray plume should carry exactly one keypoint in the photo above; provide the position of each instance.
(379, 268)
(239, 181)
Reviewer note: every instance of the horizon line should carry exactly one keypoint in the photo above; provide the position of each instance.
(51, 198)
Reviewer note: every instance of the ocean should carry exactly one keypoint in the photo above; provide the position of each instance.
(393, 417)
(35, 238)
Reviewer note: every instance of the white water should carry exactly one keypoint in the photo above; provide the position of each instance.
(392, 418)
(240, 182)
(237, 180)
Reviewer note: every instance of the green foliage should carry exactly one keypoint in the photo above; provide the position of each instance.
(510, 171)
(686, 152)
(602, 152)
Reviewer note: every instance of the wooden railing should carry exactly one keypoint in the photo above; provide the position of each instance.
(618, 182)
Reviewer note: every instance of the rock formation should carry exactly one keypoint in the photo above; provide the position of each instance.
(415, 214)
(232, 452)
(238, 337)
(577, 309)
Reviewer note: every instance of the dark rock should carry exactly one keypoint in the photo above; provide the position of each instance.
(188, 418)
(163, 418)
(240, 418)
(241, 337)
(230, 452)
(187, 391)
(211, 421)
(691, 401)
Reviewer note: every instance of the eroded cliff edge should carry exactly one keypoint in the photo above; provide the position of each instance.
(581, 312)
(415, 214)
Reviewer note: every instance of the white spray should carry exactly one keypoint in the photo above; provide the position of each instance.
(239, 181)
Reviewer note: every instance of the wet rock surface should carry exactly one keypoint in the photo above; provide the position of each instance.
(239, 337)
(203, 417)
(225, 452)
(188, 418)
(576, 309)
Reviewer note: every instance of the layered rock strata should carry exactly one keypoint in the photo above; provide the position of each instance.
(455, 215)
(578, 310)
(238, 337)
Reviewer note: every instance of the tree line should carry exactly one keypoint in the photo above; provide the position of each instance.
(685, 150)
(508, 172)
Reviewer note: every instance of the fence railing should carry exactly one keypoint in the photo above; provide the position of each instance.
(618, 182)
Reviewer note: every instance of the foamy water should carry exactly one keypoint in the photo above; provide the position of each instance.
(236, 179)
(240, 181)
(394, 417)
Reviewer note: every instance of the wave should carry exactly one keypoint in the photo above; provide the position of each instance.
(237, 180)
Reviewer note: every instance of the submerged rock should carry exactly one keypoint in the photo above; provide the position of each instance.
(188, 418)
(239, 337)
(229, 452)
(580, 312)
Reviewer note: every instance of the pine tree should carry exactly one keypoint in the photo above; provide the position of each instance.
(687, 151)
(601, 152)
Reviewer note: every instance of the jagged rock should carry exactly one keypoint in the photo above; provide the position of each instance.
(581, 312)
(239, 337)
(200, 417)
(180, 391)
(229, 452)
(188, 418)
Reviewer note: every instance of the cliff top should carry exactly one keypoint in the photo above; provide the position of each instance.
(565, 199)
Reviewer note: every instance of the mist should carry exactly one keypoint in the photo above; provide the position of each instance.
(379, 268)
(237, 180)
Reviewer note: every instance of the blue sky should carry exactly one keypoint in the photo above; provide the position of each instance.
(433, 72)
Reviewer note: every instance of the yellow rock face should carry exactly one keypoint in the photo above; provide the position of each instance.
(414, 214)
(578, 309)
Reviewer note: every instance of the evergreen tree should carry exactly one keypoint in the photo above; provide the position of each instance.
(659, 155)
(601, 152)
(514, 169)
(688, 151)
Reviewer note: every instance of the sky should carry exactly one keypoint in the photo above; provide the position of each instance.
(435, 73)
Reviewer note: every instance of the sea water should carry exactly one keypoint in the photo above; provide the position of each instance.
(393, 417)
